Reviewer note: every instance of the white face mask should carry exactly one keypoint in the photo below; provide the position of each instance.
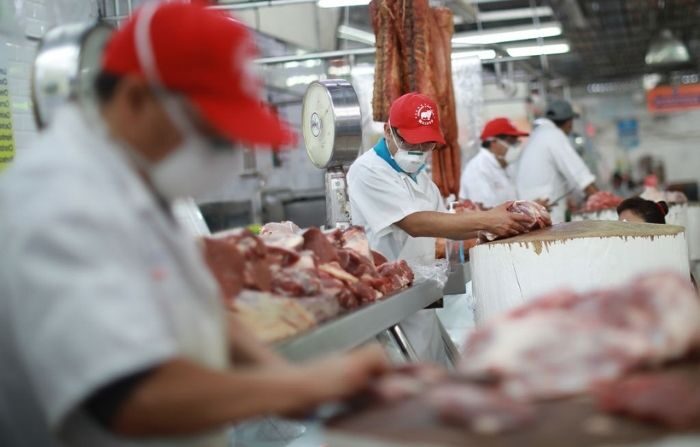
(513, 153)
(410, 161)
(194, 167)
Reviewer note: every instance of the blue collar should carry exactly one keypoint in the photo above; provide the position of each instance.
(382, 150)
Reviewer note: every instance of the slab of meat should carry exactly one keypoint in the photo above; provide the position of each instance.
(666, 398)
(562, 343)
(272, 318)
(356, 264)
(355, 239)
(399, 272)
(279, 228)
(296, 282)
(226, 264)
(378, 258)
(478, 408)
(602, 200)
(282, 256)
(318, 243)
(539, 214)
(255, 269)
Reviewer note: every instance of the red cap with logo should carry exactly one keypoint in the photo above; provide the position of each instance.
(501, 126)
(205, 55)
(416, 118)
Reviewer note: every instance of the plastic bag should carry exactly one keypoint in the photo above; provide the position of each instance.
(436, 271)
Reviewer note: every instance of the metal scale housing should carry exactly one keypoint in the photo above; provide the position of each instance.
(332, 130)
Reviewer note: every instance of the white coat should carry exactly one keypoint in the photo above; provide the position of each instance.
(549, 167)
(380, 196)
(485, 181)
(96, 282)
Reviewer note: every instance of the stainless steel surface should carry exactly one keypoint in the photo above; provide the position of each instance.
(361, 325)
(64, 69)
(457, 279)
(404, 344)
(337, 201)
(260, 4)
(450, 348)
(332, 102)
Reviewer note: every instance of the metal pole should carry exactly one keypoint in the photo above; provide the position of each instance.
(259, 4)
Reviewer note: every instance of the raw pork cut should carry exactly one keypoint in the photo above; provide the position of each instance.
(539, 214)
(666, 398)
(478, 408)
(272, 318)
(562, 343)
(602, 200)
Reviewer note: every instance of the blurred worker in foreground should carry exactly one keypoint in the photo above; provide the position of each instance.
(484, 179)
(402, 211)
(112, 332)
(549, 166)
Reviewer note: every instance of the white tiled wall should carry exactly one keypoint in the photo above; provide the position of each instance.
(32, 18)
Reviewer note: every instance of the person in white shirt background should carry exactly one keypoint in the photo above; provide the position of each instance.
(112, 330)
(393, 197)
(549, 166)
(485, 179)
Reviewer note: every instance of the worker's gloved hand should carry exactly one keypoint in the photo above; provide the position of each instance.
(503, 223)
(337, 377)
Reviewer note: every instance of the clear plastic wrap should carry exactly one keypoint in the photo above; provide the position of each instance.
(436, 271)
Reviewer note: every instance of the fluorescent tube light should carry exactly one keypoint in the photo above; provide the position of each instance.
(515, 14)
(341, 3)
(538, 50)
(481, 54)
(508, 34)
(355, 34)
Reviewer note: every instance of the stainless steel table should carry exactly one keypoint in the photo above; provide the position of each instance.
(357, 327)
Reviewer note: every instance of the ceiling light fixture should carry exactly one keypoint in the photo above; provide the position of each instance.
(538, 50)
(666, 49)
(355, 34)
(341, 3)
(481, 54)
(508, 34)
(515, 14)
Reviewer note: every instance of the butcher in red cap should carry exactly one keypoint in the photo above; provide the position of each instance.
(484, 179)
(114, 333)
(395, 199)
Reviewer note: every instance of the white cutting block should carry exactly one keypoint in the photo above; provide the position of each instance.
(576, 255)
(609, 214)
(693, 230)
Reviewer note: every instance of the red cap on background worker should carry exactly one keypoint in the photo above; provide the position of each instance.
(112, 310)
(484, 179)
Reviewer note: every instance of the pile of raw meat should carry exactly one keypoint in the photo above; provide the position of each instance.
(655, 195)
(602, 200)
(539, 214)
(565, 344)
(413, 43)
(320, 272)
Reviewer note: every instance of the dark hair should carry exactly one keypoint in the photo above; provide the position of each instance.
(486, 144)
(560, 123)
(105, 85)
(651, 212)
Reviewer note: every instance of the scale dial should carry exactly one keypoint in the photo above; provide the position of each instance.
(331, 123)
(318, 122)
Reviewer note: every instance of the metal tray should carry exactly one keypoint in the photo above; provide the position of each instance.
(361, 325)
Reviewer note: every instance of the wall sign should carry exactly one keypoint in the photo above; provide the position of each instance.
(7, 139)
(668, 98)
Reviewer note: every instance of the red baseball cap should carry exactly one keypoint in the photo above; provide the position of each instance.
(501, 126)
(416, 117)
(207, 56)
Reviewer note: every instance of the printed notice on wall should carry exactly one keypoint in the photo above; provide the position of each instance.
(7, 139)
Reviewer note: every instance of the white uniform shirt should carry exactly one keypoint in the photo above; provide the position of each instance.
(96, 283)
(381, 196)
(485, 181)
(549, 167)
